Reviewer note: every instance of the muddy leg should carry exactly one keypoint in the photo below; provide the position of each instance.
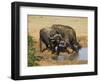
(44, 49)
(56, 56)
(53, 52)
(57, 53)
(67, 51)
(40, 45)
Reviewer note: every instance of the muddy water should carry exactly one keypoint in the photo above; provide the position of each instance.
(82, 55)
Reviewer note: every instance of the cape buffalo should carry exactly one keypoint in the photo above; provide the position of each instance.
(58, 38)
(49, 37)
(69, 36)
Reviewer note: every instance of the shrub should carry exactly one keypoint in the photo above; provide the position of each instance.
(31, 52)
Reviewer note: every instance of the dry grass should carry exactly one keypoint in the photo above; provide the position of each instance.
(65, 62)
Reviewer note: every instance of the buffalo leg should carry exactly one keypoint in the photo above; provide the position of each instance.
(67, 51)
(57, 53)
(40, 45)
(44, 49)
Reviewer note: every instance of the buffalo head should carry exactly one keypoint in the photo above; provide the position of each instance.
(77, 46)
(54, 41)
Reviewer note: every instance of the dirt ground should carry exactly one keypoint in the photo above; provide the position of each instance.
(80, 25)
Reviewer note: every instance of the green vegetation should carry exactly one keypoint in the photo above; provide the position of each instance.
(31, 52)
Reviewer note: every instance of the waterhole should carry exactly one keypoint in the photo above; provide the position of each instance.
(82, 55)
